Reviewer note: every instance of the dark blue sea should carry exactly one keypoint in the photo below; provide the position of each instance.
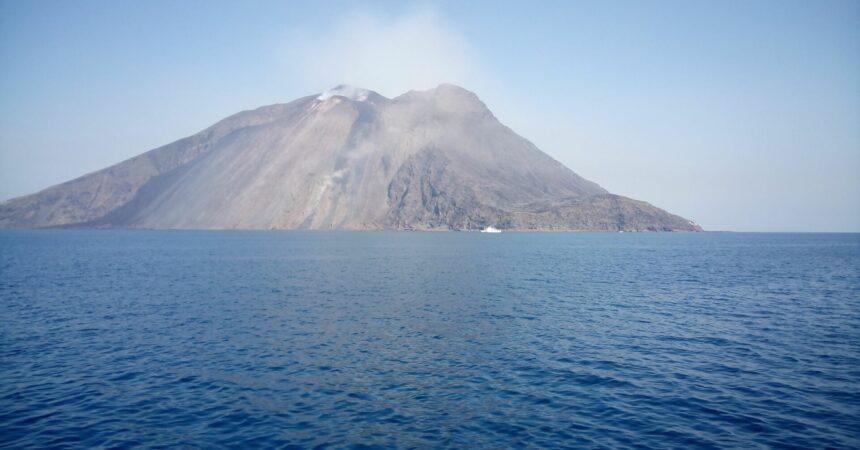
(231, 339)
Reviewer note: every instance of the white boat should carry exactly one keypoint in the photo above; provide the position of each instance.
(491, 229)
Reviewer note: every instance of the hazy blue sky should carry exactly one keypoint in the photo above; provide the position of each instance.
(739, 115)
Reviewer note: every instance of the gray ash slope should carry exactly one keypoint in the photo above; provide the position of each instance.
(348, 159)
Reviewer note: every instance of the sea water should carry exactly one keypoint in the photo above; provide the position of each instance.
(240, 339)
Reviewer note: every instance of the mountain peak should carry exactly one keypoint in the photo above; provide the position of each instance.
(444, 89)
(359, 94)
(351, 92)
(452, 88)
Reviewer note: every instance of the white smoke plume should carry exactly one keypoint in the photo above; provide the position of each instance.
(390, 55)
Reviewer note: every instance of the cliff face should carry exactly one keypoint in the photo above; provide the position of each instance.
(350, 159)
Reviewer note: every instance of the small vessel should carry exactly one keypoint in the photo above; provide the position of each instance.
(491, 229)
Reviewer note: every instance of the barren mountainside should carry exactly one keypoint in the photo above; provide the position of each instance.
(349, 159)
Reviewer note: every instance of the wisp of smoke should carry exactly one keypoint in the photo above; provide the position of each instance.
(390, 55)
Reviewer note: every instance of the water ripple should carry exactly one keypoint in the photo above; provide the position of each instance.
(151, 339)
